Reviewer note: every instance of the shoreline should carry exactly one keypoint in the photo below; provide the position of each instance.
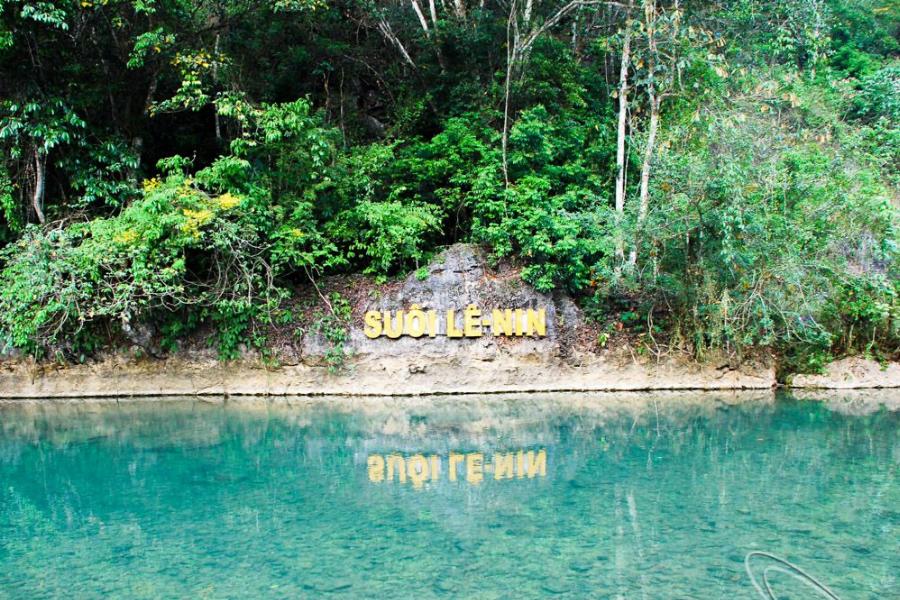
(419, 376)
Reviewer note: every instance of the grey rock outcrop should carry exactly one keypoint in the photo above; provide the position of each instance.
(457, 279)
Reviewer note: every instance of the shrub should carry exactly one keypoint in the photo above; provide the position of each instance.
(771, 239)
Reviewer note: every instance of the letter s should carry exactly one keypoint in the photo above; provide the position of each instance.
(373, 324)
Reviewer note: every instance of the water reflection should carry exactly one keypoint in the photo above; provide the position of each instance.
(598, 496)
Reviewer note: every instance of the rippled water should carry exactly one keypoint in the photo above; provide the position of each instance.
(639, 497)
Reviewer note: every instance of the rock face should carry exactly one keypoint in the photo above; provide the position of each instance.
(457, 279)
(851, 373)
(404, 366)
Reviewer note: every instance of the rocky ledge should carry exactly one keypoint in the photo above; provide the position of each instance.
(851, 373)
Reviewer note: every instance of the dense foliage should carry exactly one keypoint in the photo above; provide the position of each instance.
(717, 174)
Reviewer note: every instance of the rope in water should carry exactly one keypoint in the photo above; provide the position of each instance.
(765, 590)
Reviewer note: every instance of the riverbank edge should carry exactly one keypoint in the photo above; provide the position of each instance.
(415, 376)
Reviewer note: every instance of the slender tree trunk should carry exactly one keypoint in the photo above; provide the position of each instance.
(512, 45)
(648, 159)
(420, 14)
(434, 37)
(433, 9)
(518, 49)
(430, 31)
(40, 177)
(385, 28)
(460, 9)
(620, 141)
(644, 207)
(574, 42)
(216, 77)
(343, 127)
(655, 100)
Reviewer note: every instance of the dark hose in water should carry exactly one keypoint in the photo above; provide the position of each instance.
(765, 590)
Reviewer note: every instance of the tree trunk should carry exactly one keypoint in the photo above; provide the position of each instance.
(512, 47)
(385, 28)
(430, 31)
(460, 9)
(420, 14)
(648, 159)
(620, 141)
(433, 13)
(40, 177)
(655, 100)
(218, 124)
(518, 49)
(644, 207)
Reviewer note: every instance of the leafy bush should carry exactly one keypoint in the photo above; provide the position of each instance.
(388, 233)
(879, 97)
(208, 245)
(759, 238)
(552, 213)
(178, 246)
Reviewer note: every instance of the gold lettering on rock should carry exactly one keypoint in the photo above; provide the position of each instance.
(417, 323)
(373, 324)
(389, 329)
(501, 322)
(432, 324)
(452, 331)
(537, 322)
(519, 320)
(472, 322)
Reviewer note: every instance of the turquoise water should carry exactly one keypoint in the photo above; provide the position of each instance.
(611, 497)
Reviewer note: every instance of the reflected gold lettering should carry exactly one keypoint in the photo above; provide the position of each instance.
(475, 468)
(504, 466)
(455, 459)
(537, 464)
(421, 468)
(395, 463)
(418, 470)
(376, 468)
(435, 468)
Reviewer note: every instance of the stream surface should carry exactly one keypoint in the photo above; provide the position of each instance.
(640, 497)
